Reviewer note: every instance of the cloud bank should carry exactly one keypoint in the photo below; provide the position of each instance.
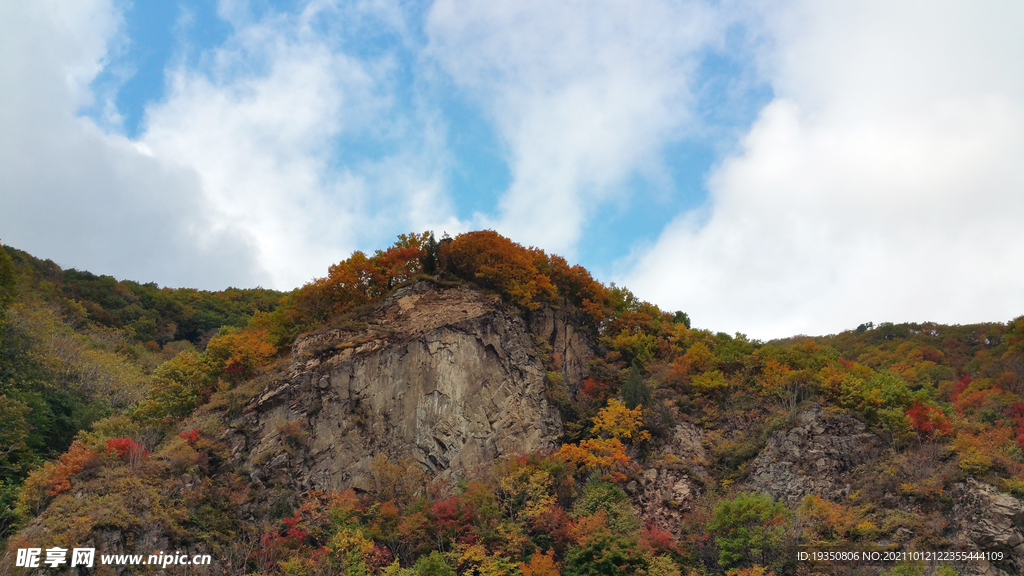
(86, 197)
(240, 174)
(883, 183)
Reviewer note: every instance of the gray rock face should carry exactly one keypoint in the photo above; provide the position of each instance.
(662, 495)
(560, 328)
(815, 457)
(445, 377)
(687, 444)
(990, 521)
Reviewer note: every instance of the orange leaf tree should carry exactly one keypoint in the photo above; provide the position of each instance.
(607, 456)
(502, 265)
(238, 353)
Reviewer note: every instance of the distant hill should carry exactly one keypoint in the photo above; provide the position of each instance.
(148, 312)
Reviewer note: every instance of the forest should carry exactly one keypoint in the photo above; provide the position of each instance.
(113, 391)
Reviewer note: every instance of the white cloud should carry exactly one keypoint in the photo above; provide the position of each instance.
(236, 177)
(261, 142)
(262, 124)
(87, 199)
(583, 94)
(883, 183)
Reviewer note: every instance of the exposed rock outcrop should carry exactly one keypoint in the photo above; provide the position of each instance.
(989, 521)
(573, 345)
(447, 377)
(814, 457)
(662, 495)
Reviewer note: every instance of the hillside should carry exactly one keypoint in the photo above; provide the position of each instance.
(76, 347)
(471, 406)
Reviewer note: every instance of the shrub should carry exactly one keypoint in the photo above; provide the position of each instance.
(53, 478)
(749, 528)
(709, 383)
(605, 556)
(929, 421)
(604, 496)
(237, 354)
(540, 565)
(127, 450)
(433, 565)
(399, 482)
(605, 456)
(351, 549)
(828, 522)
(618, 421)
(178, 387)
(190, 436)
(453, 519)
(524, 491)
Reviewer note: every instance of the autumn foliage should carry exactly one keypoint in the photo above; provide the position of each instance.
(71, 463)
(125, 448)
(607, 456)
(524, 277)
(540, 565)
(496, 262)
(929, 421)
(360, 278)
(237, 354)
(190, 436)
(618, 421)
(54, 477)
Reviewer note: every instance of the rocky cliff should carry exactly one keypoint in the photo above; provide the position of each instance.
(446, 377)
(815, 457)
(989, 521)
(825, 453)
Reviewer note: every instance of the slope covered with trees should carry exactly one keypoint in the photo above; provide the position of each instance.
(76, 347)
(942, 405)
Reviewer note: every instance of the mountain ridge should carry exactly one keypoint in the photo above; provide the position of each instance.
(604, 428)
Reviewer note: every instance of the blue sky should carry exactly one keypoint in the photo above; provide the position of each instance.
(158, 36)
(154, 37)
(770, 168)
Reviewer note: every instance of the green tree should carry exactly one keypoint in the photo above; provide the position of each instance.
(605, 555)
(431, 250)
(179, 386)
(599, 495)
(7, 278)
(749, 528)
(681, 317)
(433, 565)
(635, 391)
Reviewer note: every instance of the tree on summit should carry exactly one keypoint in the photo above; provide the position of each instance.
(502, 265)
